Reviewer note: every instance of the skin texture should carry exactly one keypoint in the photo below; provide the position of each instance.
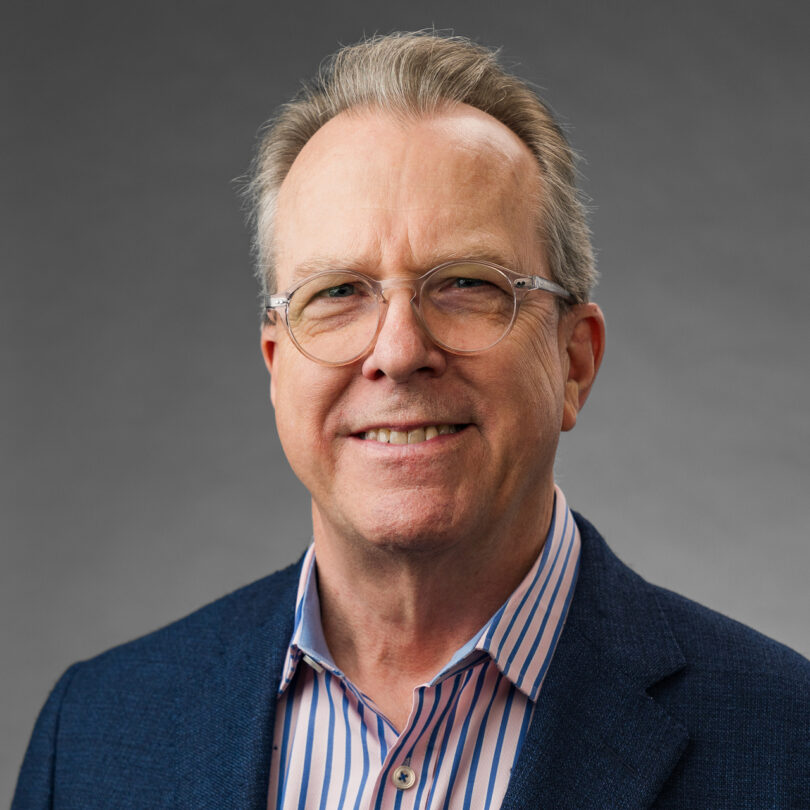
(418, 545)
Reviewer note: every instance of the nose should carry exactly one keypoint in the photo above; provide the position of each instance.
(403, 348)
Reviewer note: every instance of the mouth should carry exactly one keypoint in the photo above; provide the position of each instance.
(392, 435)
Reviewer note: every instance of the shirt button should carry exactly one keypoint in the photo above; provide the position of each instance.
(403, 777)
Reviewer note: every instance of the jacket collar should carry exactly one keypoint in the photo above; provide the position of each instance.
(596, 733)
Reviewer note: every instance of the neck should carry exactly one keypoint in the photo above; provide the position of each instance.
(393, 615)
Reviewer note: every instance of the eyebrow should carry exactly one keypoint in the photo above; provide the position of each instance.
(482, 253)
(317, 265)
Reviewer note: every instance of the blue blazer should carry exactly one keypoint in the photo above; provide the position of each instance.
(651, 701)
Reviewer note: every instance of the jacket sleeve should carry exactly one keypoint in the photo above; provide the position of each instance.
(35, 783)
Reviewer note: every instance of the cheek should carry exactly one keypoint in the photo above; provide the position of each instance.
(308, 400)
(539, 370)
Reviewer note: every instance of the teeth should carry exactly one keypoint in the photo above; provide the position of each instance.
(416, 436)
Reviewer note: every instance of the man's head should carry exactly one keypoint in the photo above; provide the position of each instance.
(389, 194)
(412, 75)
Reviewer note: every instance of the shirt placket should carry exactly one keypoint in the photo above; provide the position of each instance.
(404, 780)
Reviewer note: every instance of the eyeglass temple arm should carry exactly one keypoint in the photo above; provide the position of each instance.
(539, 283)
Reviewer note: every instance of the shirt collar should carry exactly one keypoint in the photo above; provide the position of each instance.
(520, 637)
(307, 640)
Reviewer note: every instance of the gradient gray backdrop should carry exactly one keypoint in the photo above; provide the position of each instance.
(141, 473)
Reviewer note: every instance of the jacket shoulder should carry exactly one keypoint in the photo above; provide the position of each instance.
(266, 603)
(721, 644)
(707, 638)
(745, 700)
(126, 716)
(742, 698)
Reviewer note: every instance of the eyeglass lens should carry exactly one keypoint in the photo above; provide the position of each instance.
(465, 307)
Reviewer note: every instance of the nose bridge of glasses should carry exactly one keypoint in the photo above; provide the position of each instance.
(398, 283)
(413, 284)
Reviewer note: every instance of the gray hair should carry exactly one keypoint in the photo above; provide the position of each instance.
(416, 74)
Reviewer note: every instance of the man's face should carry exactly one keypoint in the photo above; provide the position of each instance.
(393, 199)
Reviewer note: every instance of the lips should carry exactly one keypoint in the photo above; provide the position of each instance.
(418, 435)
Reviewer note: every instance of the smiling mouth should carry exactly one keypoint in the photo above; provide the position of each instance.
(415, 436)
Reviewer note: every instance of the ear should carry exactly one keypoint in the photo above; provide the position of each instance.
(268, 346)
(584, 335)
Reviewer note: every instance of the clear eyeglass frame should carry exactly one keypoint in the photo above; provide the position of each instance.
(519, 284)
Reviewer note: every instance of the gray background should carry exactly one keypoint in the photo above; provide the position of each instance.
(141, 473)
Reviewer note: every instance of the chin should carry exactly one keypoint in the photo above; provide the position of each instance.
(406, 528)
(396, 526)
(418, 549)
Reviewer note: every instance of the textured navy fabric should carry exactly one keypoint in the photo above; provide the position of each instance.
(651, 701)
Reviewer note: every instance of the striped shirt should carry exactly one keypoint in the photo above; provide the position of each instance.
(333, 748)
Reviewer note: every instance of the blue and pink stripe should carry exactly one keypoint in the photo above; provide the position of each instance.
(333, 749)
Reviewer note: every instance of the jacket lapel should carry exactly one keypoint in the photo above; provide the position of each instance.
(230, 708)
(597, 739)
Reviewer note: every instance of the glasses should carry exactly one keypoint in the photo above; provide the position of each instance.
(465, 307)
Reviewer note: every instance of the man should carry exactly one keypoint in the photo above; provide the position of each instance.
(456, 636)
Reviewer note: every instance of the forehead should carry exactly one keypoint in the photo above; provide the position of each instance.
(385, 194)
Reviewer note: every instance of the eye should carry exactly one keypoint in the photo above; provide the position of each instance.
(467, 290)
(453, 285)
(340, 291)
(330, 293)
(463, 283)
